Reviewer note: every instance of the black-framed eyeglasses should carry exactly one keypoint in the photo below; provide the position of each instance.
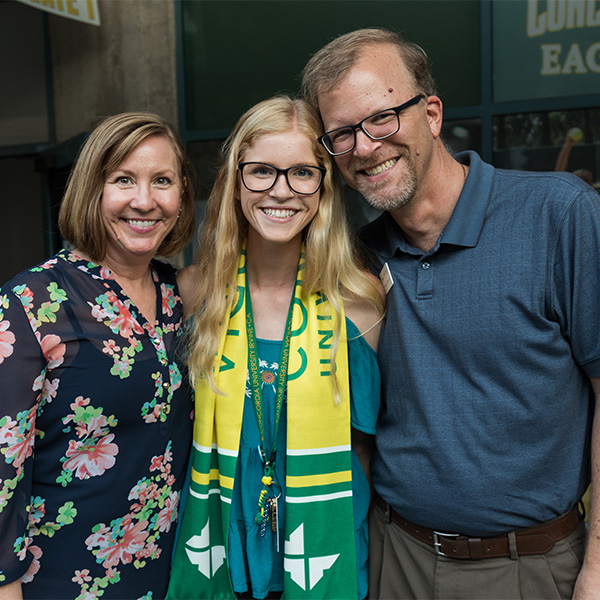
(261, 177)
(377, 126)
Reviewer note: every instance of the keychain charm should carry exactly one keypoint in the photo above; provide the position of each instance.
(265, 517)
(273, 514)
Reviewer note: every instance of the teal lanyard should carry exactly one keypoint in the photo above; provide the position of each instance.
(257, 400)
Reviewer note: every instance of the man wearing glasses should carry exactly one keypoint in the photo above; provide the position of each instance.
(490, 354)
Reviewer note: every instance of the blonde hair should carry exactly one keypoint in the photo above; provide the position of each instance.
(329, 65)
(332, 265)
(111, 141)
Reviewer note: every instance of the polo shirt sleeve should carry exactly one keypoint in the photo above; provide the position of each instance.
(576, 278)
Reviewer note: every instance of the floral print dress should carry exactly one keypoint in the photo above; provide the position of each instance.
(95, 432)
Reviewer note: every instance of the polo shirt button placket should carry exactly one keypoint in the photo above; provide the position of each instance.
(424, 280)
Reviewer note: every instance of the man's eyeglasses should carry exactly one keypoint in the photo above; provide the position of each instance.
(261, 177)
(378, 126)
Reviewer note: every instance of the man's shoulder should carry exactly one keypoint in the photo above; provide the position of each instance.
(544, 181)
(552, 188)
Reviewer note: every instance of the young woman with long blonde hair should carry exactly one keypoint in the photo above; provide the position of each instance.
(283, 334)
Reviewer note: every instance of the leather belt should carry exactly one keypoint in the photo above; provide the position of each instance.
(538, 539)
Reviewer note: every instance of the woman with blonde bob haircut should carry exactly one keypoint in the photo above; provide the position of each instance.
(80, 218)
(282, 354)
(95, 417)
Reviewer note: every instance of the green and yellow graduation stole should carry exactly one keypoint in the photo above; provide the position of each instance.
(319, 544)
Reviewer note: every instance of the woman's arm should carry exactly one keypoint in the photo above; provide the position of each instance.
(186, 283)
(362, 444)
(365, 316)
(23, 374)
(11, 591)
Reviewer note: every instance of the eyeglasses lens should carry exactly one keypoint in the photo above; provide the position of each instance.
(260, 177)
(377, 127)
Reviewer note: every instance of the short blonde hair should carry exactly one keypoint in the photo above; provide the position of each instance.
(329, 65)
(110, 142)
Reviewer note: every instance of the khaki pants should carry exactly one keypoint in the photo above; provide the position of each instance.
(403, 567)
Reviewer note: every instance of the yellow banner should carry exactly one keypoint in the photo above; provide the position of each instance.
(85, 11)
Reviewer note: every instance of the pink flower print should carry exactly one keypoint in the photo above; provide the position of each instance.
(79, 401)
(132, 541)
(121, 368)
(149, 551)
(38, 382)
(125, 324)
(7, 339)
(81, 576)
(20, 442)
(144, 491)
(53, 350)
(34, 567)
(169, 513)
(153, 416)
(156, 463)
(7, 434)
(175, 377)
(97, 426)
(110, 347)
(49, 389)
(91, 460)
(98, 313)
(105, 273)
(36, 513)
(26, 298)
(100, 538)
(168, 299)
(49, 263)
(81, 430)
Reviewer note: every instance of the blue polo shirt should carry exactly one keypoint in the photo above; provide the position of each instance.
(486, 354)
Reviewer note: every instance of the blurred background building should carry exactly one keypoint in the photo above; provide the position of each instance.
(515, 78)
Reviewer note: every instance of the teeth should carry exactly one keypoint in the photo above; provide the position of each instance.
(139, 223)
(381, 168)
(279, 213)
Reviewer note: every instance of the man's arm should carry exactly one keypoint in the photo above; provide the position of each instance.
(588, 582)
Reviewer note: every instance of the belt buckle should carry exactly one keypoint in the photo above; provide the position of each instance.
(437, 544)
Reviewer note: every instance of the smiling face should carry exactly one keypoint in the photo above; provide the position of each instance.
(387, 172)
(140, 201)
(279, 215)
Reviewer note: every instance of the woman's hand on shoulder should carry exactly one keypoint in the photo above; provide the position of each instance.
(365, 316)
(186, 282)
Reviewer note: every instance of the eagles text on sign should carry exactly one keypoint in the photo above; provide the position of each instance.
(546, 48)
(569, 14)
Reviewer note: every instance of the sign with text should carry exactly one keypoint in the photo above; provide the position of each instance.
(85, 11)
(545, 48)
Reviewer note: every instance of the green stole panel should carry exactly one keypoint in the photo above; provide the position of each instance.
(320, 554)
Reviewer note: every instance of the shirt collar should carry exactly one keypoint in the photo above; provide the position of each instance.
(465, 224)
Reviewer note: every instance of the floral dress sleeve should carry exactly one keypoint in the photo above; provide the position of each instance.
(25, 365)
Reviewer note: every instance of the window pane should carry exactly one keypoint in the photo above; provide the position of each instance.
(538, 141)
